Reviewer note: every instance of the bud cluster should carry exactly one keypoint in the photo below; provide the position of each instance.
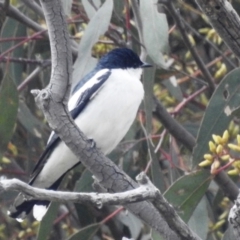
(221, 152)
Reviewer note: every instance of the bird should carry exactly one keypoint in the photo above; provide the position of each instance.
(103, 105)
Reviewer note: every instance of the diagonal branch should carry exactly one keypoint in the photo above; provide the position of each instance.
(52, 101)
(224, 20)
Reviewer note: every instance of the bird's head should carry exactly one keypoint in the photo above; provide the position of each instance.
(123, 58)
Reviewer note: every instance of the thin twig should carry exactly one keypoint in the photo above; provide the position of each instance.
(31, 76)
(181, 27)
(213, 46)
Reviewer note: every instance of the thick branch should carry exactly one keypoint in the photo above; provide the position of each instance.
(224, 20)
(50, 101)
(173, 219)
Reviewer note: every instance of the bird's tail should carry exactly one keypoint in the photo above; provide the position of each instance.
(22, 207)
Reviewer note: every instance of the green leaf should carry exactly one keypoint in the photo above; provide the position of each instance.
(91, 35)
(156, 172)
(199, 219)
(155, 31)
(187, 191)
(118, 7)
(9, 107)
(86, 233)
(30, 122)
(173, 88)
(17, 30)
(219, 113)
(47, 222)
(84, 184)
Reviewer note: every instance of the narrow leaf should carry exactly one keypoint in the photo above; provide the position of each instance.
(17, 30)
(199, 219)
(90, 8)
(91, 35)
(187, 191)
(155, 31)
(9, 107)
(84, 184)
(86, 233)
(47, 222)
(148, 82)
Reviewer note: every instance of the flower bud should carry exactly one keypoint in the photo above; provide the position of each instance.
(212, 146)
(225, 136)
(234, 147)
(208, 157)
(217, 139)
(219, 149)
(225, 157)
(205, 163)
(233, 172)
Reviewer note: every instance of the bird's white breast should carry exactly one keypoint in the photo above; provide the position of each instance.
(106, 119)
(110, 114)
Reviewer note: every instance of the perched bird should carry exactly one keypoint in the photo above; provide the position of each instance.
(103, 104)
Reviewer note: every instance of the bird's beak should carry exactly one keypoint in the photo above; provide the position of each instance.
(146, 65)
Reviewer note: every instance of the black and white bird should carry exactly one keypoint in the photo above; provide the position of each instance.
(104, 105)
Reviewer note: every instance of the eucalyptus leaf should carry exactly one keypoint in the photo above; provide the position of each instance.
(17, 30)
(84, 184)
(9, 108)
(86, 233)
(89, 8)
(173, 88)
(219, 113)
(187, 191)
(91, 35)
(118, 7)
(199, 219)
(155, 31)
(47, 222)
(30, 122)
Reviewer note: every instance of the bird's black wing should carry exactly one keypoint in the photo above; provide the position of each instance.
(82, 102)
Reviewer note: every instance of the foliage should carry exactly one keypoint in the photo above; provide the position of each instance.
(175, 81)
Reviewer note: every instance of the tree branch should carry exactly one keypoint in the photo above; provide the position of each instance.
(224, 20)
(145, 191)
(53, 99)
